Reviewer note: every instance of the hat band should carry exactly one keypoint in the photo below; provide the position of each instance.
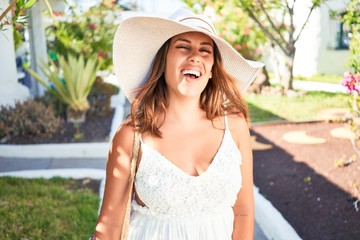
(198, 22)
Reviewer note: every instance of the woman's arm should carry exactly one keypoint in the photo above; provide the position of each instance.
(244, 205)
(111, 217)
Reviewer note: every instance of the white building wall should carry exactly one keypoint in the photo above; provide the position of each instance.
(37, 39)
(10, 90)
(309, 44)
(316, 49)
(331, 60)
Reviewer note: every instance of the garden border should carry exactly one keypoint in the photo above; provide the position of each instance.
(68, 150)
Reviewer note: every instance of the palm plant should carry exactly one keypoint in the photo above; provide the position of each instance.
(71, 82)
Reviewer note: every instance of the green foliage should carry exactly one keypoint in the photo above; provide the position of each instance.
(18, 8)
(352, 77)
(18, 18)
(325, 78)
(18, 36)
(46, 209)
(85, 33)
(4, 130)
(51, 101)
(352, 19)
(100, 97)
(28, 118)
(234, 25)
(71, 82)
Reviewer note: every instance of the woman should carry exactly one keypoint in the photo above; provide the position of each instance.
(194, 172)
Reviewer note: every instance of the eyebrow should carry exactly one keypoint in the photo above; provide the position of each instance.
(188, 41)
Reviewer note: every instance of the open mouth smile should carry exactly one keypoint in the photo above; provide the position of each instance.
(191, 73)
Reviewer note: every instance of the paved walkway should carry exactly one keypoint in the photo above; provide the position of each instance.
(20, 164)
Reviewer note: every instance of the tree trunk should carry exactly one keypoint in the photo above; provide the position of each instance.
(261, 81)
(287, 77)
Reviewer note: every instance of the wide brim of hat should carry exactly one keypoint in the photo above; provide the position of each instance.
(138, 39)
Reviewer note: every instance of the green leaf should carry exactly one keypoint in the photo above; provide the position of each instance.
(29, 4)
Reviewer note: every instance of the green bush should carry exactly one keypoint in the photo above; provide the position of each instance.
(3, 130)
(49, 100)
(100, 97)
(85, 33)
(28, 118)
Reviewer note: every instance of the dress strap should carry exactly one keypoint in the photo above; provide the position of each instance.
(226, 122)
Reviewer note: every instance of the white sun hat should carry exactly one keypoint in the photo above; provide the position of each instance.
(138, 39)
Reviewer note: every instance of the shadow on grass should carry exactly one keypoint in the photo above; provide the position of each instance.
(260, 115)
(315, 207)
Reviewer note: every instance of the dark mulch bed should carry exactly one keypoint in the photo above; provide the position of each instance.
(303, 182)
(96, 128)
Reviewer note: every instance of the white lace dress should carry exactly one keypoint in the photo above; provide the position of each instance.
(184, 207)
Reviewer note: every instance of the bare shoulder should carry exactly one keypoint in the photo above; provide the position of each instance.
(237, 122)
(239, 128)
(122, 142)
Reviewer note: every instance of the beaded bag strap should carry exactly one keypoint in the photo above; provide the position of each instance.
(135, 155)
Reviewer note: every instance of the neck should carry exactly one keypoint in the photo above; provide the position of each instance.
(185, 110)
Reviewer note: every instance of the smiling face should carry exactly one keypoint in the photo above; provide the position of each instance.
(189, 63)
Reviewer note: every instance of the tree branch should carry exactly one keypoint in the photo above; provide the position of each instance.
(8, 9)
(287, 6)
(292, 27)
(272, 23)
(271, 36)
(293, 5)
(307, 19)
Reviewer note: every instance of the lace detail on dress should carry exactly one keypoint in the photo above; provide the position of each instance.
(167, 191)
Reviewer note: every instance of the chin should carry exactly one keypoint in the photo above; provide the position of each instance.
(191, 95)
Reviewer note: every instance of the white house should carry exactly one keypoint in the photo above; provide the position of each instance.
(322, 50)
(322, 47)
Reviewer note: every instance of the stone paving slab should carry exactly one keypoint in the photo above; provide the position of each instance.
(301, 137)
(341, 132)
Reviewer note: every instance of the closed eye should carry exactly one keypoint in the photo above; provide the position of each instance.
(205, 50)
(182, 47)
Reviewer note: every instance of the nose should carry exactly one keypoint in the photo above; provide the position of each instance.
(194, 57)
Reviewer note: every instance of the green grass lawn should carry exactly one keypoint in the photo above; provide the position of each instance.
(46, 209)
(305, 108)
(335, 79)
(324, 78)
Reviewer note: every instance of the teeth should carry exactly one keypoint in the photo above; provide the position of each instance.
(192, 72)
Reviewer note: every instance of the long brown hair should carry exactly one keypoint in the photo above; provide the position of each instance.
(220, 95)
